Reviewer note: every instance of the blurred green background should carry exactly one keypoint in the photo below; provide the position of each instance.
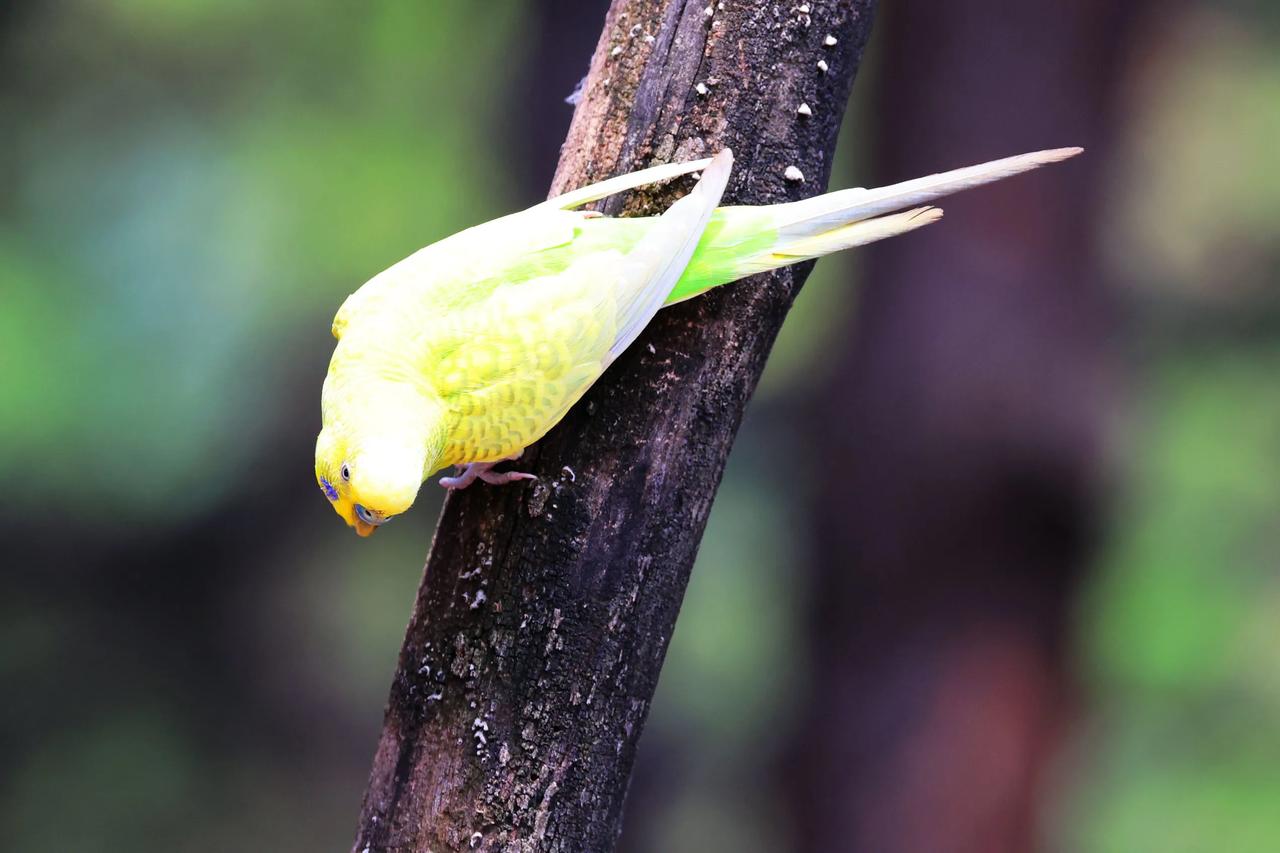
(193, 652)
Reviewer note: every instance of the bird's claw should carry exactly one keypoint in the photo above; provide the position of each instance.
(468, 474)
(501, 478)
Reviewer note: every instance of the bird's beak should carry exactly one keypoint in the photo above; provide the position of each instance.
(363, 528)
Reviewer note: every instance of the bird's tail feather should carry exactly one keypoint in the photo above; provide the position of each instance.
(807, 218)
(742, 241)
(853, 234)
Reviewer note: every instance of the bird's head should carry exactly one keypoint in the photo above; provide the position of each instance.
(368, 481)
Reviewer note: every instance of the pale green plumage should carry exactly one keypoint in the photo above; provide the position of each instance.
(474, 347)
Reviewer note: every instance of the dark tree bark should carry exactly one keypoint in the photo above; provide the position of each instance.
(545, 610)
(967, 429)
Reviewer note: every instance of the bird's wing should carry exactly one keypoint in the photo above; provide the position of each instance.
(622, 183)
(656, 263)
(511, 362)
(470, 263)
(509, 366)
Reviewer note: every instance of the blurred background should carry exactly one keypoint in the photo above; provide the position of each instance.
(1030, 600)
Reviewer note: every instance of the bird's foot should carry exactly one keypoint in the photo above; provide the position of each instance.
(501, 478)
(469, 473)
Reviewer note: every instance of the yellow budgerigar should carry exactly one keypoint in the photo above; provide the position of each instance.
(471, 349)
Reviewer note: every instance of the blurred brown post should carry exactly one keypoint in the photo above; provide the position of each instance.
(545, 610)
(964, 442)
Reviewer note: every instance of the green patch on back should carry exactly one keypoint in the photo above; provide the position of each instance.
(732, 237)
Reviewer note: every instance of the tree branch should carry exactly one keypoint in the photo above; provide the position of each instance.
(545, 610)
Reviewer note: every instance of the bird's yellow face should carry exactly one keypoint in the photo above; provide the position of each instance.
(333, 475)
(337, 488)
(366, 487)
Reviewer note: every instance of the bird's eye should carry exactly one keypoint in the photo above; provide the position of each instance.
(346, 473)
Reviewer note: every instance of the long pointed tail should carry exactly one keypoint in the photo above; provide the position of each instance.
(742, 241)
(804, 219)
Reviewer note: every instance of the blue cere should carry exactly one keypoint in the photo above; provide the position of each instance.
(329, 490)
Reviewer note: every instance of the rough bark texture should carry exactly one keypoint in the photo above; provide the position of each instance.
(545, 610)
(966, 428)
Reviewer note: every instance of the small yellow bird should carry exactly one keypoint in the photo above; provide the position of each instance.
(473, 348)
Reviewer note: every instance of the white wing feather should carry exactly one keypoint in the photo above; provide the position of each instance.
(622, 183)
(653, 267)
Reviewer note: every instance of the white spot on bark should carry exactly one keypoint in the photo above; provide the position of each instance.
(575, 97)
(573, 478)
(617, 50)
(804, 8)
(830, 41)
(708, 11)
(793, 174)
(804, 110)
(476, 838)
(822, 66)
(480, 597)
(701, 88)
